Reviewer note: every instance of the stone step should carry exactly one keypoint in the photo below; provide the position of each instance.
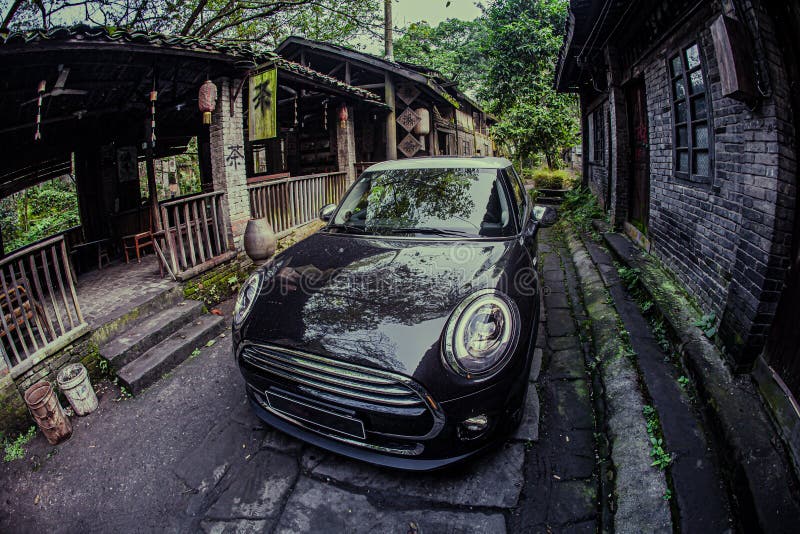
(148, 332)
(158, 303)
(165, 356)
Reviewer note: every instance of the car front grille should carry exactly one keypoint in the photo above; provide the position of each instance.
(355, 382)
(390, 404)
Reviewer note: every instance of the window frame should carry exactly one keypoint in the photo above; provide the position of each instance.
(690, 122)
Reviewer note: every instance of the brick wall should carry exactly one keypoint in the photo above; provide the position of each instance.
(728, 240)
(597, 172)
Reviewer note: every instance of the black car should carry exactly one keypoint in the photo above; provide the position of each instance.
(402, 332)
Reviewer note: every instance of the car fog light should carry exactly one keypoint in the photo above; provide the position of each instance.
(476, 424)
(473, 428)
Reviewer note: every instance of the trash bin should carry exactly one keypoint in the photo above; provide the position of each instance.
(73, 381)
(46, 410)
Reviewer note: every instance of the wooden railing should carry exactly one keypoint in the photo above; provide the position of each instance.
(195, 237)
(289, 202)
(40, 313)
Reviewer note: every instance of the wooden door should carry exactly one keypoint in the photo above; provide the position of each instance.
(782, 350)
(639, 191)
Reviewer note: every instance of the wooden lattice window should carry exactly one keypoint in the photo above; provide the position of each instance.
(692, 156)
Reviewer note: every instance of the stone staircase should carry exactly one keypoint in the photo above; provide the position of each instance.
(157, 341)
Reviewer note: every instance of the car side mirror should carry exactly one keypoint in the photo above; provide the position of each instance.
(545, 215)
(326, 212)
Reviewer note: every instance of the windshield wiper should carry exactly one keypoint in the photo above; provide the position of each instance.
(427, 230)
(348, 227)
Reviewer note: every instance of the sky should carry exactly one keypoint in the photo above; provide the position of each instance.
(404, 12)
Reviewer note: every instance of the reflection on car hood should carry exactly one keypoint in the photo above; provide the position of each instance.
(380, 302)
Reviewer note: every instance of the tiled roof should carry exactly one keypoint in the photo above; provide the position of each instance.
(243, 55)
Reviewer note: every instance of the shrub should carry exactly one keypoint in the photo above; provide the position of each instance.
(547, 179)
(580, 207)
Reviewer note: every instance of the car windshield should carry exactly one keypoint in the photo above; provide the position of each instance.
(457, 202)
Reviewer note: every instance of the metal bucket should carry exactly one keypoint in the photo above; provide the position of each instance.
(73, 381)
(46, 410)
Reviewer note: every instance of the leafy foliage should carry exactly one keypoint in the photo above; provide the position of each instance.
(257, 21)
(708, 324)
(580, 207)
(661, 458)
(38, 212)
(14, 449)
(522, 43)
(455, 48)
(547, 179)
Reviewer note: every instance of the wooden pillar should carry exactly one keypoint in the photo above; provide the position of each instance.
(346, 145)
(2, 247)
(155, 215)
(391, 124)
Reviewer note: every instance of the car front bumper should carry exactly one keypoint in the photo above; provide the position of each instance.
(400, 438)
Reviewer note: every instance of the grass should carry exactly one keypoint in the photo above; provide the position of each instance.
(14, 449)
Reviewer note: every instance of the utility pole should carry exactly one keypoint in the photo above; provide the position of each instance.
(388, 85)
(388, 45)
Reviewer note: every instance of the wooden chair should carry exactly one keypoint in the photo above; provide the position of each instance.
(137, 242)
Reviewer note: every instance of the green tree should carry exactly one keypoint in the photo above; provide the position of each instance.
(454, 48)
(522, 42)
(257, 21)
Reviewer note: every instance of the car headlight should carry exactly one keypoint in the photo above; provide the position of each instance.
(247, 297)
(481, 334)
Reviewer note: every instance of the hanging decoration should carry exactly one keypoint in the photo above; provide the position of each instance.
(325, 114)
(343, 115)
(262, 113)
(38, 135)
(207, 100)
(423, 127)
(295, 111)
(153, 98)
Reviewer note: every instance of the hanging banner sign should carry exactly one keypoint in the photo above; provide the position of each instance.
(263, 119)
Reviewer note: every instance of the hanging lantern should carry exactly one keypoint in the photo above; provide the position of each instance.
(207, 100)
(423, 127)
(343, 116)
(38, 135)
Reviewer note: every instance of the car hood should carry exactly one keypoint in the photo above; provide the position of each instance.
(379, 302)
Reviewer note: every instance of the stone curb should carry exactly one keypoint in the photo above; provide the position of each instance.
(639, 488)
(766, 493)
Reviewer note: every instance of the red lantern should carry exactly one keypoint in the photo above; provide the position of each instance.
(343, 115)
(207, 100)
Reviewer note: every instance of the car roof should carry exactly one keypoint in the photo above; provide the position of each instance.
(447, 162)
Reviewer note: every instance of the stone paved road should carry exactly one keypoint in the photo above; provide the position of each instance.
(189, 455)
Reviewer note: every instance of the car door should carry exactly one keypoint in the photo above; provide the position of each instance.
(525, 221)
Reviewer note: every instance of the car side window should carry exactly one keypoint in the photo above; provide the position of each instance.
(519, 194)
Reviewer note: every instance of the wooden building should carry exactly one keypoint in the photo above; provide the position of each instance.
(428, 115)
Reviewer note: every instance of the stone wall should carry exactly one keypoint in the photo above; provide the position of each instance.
(14, 414)
(219, 283)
